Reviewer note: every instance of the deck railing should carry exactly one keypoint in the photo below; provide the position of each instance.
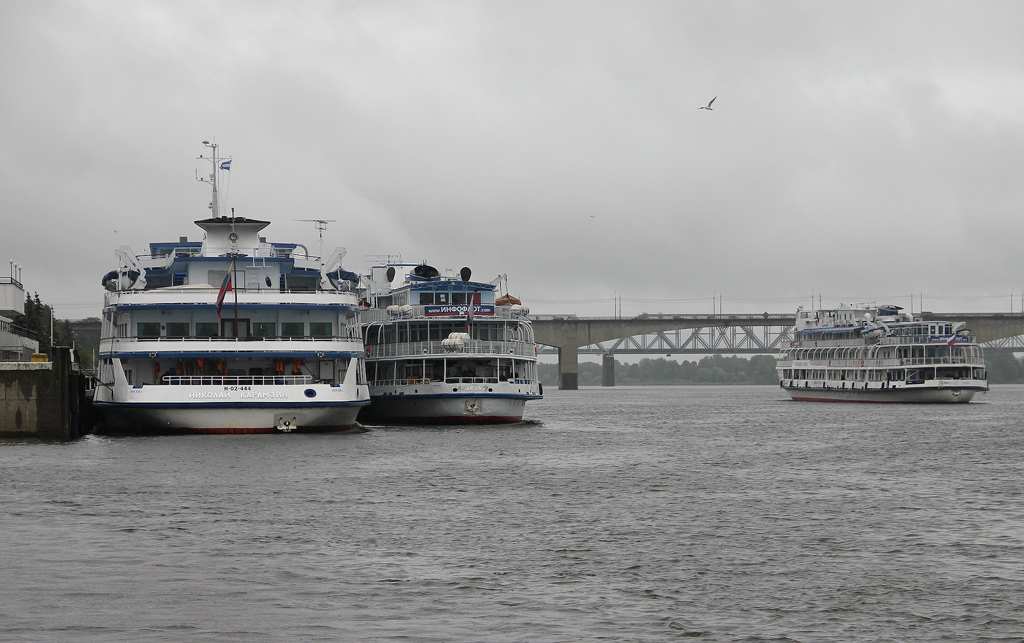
(435, 349)
(351, 335)
(889, 362)
(448, 380)
(236, 380)
(9, 327)
(377, 315)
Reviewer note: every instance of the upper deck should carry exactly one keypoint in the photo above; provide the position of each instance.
(884, 325)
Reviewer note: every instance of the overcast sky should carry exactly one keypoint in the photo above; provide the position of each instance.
(856, 151)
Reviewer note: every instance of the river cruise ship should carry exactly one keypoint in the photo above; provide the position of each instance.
(861, 353)
(230, 334)
(445, 349)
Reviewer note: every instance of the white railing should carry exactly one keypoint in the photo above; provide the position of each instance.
(928, 340)
(435, 349)
(887, 362)
(351, 335)
(235, 380)
(448, 380)
(376, 315)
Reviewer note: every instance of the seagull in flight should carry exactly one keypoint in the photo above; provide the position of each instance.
(709, 104)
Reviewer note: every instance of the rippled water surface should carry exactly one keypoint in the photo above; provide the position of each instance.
(626, 514)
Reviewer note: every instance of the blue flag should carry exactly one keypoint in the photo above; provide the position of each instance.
(226, 165)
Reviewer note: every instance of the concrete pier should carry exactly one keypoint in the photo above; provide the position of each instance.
(44, 400)
(607, 370)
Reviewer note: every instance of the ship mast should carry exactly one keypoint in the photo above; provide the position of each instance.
(218, 165)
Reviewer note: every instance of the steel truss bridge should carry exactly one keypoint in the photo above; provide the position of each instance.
(754, 340)
(711, 339)
(568, 336)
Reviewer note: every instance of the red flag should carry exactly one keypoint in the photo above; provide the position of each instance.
(225, 288)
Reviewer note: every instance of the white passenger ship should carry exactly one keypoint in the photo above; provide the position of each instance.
(231, 334)
(445, 350)
(880, 354)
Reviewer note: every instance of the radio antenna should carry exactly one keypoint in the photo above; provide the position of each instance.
(321, 225)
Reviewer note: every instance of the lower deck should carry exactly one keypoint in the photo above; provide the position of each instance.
(461, 369)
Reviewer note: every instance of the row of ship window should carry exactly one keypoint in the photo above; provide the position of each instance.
(442, 370)
(884, 352)
(225, 328)
(878, 375)
(444, 298)
(436, 331)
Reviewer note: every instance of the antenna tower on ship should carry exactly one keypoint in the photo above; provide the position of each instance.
(321, 225)
(218, 165)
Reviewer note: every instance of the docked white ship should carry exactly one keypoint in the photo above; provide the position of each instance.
(880, 354)
(445, 349)
(230, 334)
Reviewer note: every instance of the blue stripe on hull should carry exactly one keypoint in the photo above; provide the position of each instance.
(229, 405)
(214, 354)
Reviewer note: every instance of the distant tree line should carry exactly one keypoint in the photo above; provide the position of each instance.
(1003, 368)
(714, 369)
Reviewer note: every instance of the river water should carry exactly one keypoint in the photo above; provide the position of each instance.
(626, 514)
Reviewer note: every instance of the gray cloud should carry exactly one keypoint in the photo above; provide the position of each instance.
(857, 150)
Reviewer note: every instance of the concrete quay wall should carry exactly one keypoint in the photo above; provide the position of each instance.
(44, 400)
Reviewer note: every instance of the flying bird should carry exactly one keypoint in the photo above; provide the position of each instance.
(709, 104)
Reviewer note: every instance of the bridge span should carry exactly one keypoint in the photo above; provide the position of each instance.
(763, 333)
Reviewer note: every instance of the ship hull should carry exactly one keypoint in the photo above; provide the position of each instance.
(231, 409)
(907, 395)
(195, 419)
(455, 409)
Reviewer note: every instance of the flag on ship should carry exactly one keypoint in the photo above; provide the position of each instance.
(226, 165)
(469, 312)
(225, 288)
(952, 340)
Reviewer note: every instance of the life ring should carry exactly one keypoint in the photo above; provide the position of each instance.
(367, 351)
(862, 362)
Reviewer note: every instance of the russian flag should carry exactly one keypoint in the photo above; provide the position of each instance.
(469, 313)
(225, 288)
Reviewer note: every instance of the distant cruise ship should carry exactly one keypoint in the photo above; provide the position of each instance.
(445, 350)
(231, 334)
(880, 354)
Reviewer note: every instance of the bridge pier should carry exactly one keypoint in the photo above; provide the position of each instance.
(568, 368)
(608, 369)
